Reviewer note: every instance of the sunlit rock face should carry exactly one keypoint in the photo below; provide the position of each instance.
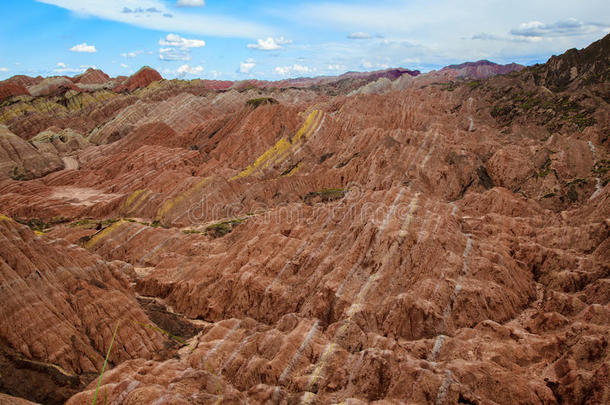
(393, 236)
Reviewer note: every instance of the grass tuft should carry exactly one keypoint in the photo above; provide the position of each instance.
(99, 382)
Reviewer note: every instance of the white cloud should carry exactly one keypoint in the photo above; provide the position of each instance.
(84, 48)
(282, 70)
(218, 25)
(336, 67)
(359, 35)
(564, 28)
(124, 66)
(176, 40)
(247, 66)
(170, 54)
(63, 68)
(294, 69)
(193, 70)
(269, 44)
(3, 69)
(130, 55)
(190, 3)
(178, 48)
(369, 65)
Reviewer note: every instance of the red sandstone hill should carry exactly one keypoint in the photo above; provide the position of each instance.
(436, 238)
(91, 76)
(141, 78)
(482, 69)
(10, 89)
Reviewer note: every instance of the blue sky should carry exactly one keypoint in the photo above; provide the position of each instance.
(238, 39)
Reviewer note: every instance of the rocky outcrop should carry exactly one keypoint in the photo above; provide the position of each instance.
(58, 142)
(576, 67)
(20, 160)
(52, 86)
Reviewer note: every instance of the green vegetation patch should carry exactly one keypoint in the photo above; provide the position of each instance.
(325, 195)
(192, 231)
(543, 109)
(40, 225)
(88, 222)
(546, 169)
(256, 102)
(601, 167)
(576, 182)
(220, 229)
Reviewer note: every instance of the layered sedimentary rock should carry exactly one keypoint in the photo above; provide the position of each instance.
(141, 78)
(60, 307)
(8, 89)
(20, 160)
(91, 76)
(414, 241)
(482, 69)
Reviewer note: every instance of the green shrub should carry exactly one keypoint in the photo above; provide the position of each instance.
(220, 229)
(256, 102)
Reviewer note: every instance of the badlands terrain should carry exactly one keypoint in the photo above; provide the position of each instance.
(386, 237)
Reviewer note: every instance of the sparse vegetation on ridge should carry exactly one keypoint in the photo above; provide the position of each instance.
(257, 102)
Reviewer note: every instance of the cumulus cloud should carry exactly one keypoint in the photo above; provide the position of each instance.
(131, 55)
(247, 66)
(61, 64)
(193, 70)
(84, 48)
(176, 40)
(536, 31)
(124, 66)
(190, 3)
(170, 54)
(359, 35)
(336, 67)
(3, 69)
(295, 69)
(177, 47)
(370, 65)
(569, 27)
(269, 44)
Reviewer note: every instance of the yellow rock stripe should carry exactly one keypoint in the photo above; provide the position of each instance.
(282, 148)
(104, 233)
(135, 200)
(169, 204)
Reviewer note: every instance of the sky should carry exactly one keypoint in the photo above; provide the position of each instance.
(273, 40)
